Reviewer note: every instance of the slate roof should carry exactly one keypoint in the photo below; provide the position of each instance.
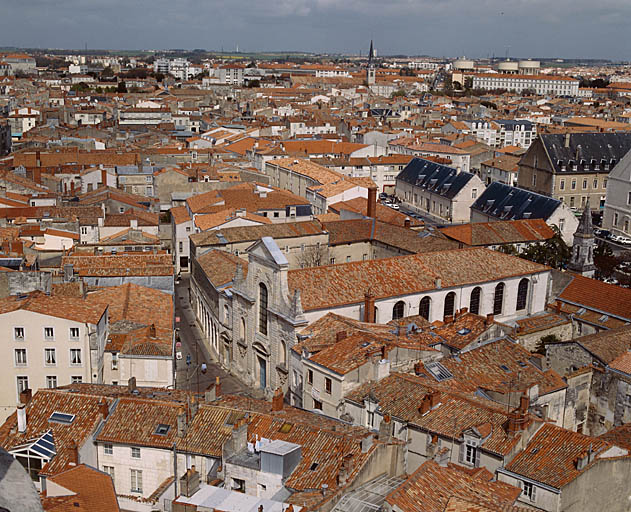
(437, 178)
(511, 203)
(609, 146)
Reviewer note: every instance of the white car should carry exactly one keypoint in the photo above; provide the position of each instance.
(394, 206)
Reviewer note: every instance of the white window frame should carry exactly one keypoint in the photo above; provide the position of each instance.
(136, 481)
(18, 379)
(135, 452)
(16, 359)
(16, 333)
(108, 449)
(76, 379)
(470, 453)
(50, 351)
(51, 379)
(71, 335)
(76, 351)
(529, 491)
(51, 336)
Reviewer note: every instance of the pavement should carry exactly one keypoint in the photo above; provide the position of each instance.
(190, 376)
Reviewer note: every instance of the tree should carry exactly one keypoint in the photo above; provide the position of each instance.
(540, 347)
(107, 72)
(398, 94)
(605, 260)
(554, 252)
(121, 87)
(313, 256)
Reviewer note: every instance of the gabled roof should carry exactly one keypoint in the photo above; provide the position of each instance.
(511, 203)
(609, 299)
(220, 267)
(70, 308)
(431, 487)
(437, 178)
(551, 455)
(346, 283)
(499, 232)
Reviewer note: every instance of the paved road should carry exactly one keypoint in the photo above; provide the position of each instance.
(191, 336)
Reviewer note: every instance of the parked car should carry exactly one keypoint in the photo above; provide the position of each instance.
(602, 233)
(619, 239)
(394, 206)
(383, 196)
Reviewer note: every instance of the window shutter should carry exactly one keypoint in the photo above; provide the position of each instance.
(461, 453)
(477, 457)
(533, 497)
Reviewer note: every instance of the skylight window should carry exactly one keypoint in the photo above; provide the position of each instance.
(505, 368)
(313, 466)
(162, 429)
(61, 417)
(286, 428)
(464, 331)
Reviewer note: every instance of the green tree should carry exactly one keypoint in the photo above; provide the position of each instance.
(554, 252)
(121, 87)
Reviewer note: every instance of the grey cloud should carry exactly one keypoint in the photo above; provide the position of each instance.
(571, 28)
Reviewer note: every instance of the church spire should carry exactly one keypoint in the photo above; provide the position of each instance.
(584, 245)
(585, 226)
(371, 54)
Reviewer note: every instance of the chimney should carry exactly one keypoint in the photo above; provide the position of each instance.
(38, 159)
(369, 307)
(133, 223)
(425, 405)
(152, 331)
(567, 140)
(489, 320)
(463, 312)
(37, 175)
(448, 319)
(181, 422)
(194, 406)
(217, 387)
(25, 396)
(73, 454)
(277, 400)
(524, 403)
(189, 482)
(21, 414)
(104, 408)
(407, 223)
(438, 283)
(557, 307)
(385, 428)
(103, 177)
(131, 384)
(339, 336)
(433, 399)
(371, 207)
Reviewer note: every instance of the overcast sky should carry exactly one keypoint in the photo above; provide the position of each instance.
(475, 28)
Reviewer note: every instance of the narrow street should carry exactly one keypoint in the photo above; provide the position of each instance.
(190, 376)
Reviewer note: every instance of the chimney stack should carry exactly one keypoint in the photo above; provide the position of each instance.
(425, 405)
(21, 414)
(339, 336)
(489, 320)
(371, 208)
(181, 422)
(277, 400)
(369, 307)
(567, 140)
(217, 387)
(152, 331)
(104, 408)
(25, 396)
(131, 384)
(74, 454)
(407, 223)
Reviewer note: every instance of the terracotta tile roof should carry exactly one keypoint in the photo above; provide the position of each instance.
(346, 283)
(134, 422)
(620, 436)
(215, 220)
(135, 303)
(121, 265)
(180, 214)
(431, 487)
(220, 267)
(539, 322)
(70, 213)
(582, 314)
(89, 490)
(607, 345)
(551, 455)
(43, 404)
(594, 294)
(124, 219)
(70, 308)
(486, 367)
(253, 233)
(622, 363)
(384, 214)
(400, 395)
(500, 232)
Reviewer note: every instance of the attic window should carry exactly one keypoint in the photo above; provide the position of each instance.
(162, 429)
(286, 428)
(464, 331)
(505, 368)
(581, 311)
(522, 364)
(603, 318)
(313, 466)
(61, 417)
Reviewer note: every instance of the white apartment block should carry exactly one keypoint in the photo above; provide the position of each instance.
(541, 84)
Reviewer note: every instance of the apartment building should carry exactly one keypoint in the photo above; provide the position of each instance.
(50, 341)
(543, 85)
(573, 167)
